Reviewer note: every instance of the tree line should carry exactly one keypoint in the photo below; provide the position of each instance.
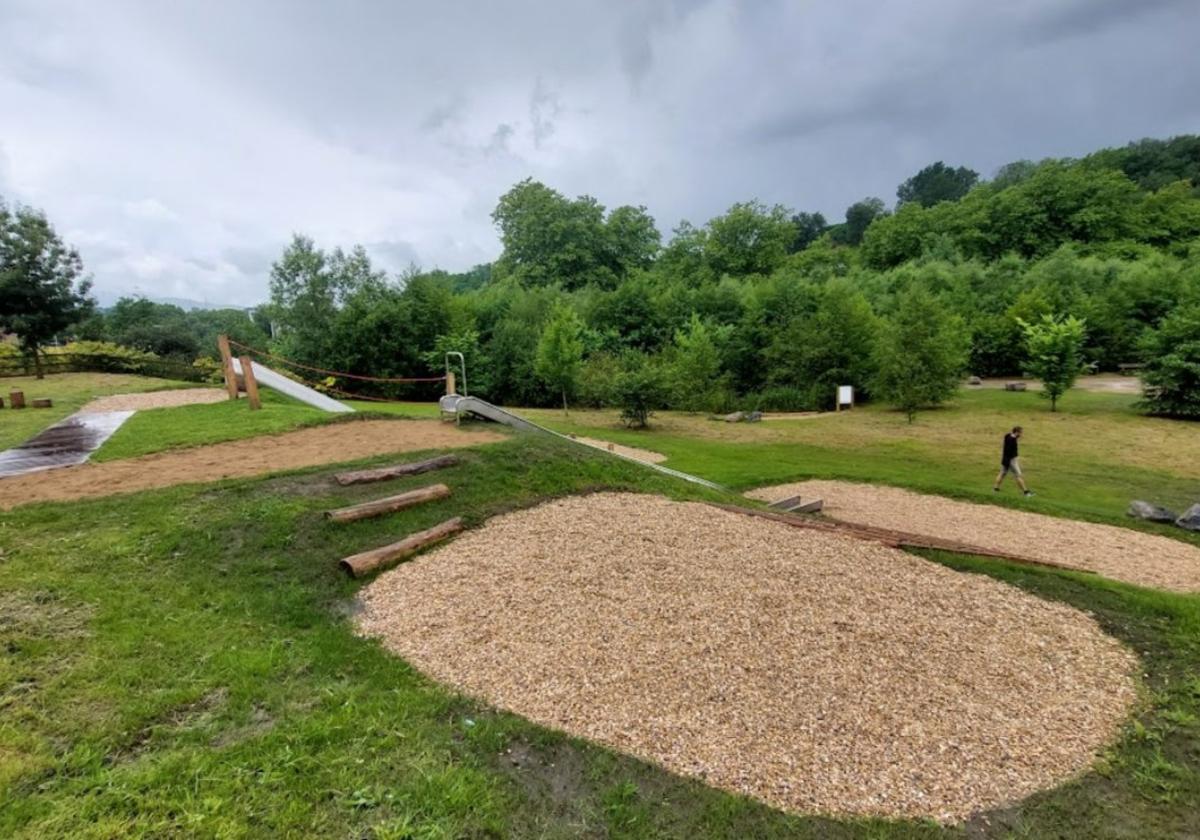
(1049, 266)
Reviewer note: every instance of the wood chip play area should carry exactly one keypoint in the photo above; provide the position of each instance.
(815, 672)
(1119, 553)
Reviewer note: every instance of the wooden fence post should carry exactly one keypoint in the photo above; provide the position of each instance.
(251, 383)
(227, 366)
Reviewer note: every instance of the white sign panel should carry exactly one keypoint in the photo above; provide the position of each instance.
(845, 395)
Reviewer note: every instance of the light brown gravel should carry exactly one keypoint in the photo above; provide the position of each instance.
(628, 451)
(156, 399)
(330, 444)
(814, 672)
(1118, 553)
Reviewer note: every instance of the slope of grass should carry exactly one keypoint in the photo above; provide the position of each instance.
(159, 429)
(1087, 461)
(180, 663)
(70, 391)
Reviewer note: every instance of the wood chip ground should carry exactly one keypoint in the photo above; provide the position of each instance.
(1119, 553)
(817, 673)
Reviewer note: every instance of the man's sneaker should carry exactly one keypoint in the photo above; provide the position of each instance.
(995, 489)
(1028, 492)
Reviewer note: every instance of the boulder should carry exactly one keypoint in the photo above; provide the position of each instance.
(974, 380)
(1150, 512)
(1014, 386)
(753, 416)
(736, 417)
(1190, 519)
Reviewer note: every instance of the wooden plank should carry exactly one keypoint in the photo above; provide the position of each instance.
(389, 504)
(396, 470)
(785, 504)
(16, 399)
(808, 507)
(360, 564)
(227, 366)
(894, 539)
(251, 383)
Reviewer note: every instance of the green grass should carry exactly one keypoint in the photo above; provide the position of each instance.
(180, 663)
(70, 391)
(1087, 461)
(195, 425)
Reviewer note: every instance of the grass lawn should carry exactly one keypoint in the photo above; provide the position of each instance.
(195, 425)
(69, 391)
(180, 663)
(1086, 461)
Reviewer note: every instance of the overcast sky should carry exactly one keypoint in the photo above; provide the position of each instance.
(179, 144)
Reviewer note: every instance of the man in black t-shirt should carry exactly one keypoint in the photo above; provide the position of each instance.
(1009, 462)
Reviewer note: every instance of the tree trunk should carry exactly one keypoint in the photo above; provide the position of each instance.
(565, 411)
(1053, 402)
(37, 364)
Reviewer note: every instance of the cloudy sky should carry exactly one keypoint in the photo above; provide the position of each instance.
(179, 144)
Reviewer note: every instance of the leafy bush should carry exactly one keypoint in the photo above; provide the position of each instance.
(598, 380)
(781, 398)
(1172, 374)
(639, 389)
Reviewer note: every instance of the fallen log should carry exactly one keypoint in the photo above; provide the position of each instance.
(396, 470)
(43, 402)
(360, 564)
(893, 539)
(378, 507)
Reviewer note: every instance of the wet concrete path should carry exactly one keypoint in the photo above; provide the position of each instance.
(68, 442)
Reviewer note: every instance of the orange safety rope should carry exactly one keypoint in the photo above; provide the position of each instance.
(338, 373)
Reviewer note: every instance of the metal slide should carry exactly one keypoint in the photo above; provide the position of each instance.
(458, 406)
(295, 390)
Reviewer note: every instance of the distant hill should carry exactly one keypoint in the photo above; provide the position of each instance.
(107, 299)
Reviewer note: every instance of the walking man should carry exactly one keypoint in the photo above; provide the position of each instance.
(1009, 462)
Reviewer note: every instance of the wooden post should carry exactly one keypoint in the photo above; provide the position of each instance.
(359, 564)
(227, 366)
(16, 399)
(384, 473)
(251, 383)
(389, 504)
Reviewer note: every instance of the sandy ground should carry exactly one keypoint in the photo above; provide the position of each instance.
(628, 451)
(814, 672)
(1118, 553)
(329, 444)
(155, 399)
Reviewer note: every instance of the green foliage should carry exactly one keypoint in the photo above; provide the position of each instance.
(41, 290)
(560, 352)
(827, 347)
(696, 381)
(1054, 353)
(638, 390)
(859, 216)
(921, 353)
(937, 182)
(750, 238)
(1172, 365)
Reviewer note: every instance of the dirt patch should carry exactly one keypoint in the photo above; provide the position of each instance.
(1101, 383)
(814, 672)
(156, 399)
(329, 444)
(1118, 553)
(628, 451)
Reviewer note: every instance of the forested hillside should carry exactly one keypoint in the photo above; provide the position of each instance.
(766, 306)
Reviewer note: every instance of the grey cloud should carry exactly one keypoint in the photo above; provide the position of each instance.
(399, 126)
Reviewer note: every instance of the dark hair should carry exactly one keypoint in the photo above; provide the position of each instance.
(1017, 429)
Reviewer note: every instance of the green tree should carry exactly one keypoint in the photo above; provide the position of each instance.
(937, 182)
(921, 353)
(859, 216)
(1055, 353)
(638, 389)
(750, 238)
(1171, 377)
(697, 383)
(560, 351)
(41, 293)
(809, 227)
